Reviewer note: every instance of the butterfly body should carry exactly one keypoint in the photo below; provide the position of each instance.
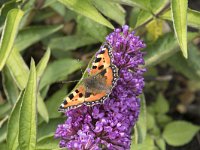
(95, 88)
(96, 84)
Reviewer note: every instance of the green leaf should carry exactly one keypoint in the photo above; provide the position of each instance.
(87, 27)
(48, 143)
(63, 68)
(4, 109)
(18, 69)
(13, 124)
(163, 119)
(194, 58)
(48, 3)
(48, 129)
(59, 8)
(33, 34)
(144, 4)
(133, 17)
(40, 69)
(143, 17)
(44, 91)
(161, 106)
(148, 144)
(181, 65)
(156, 7)
(9, 86)
(141, 125)
(178, 133)
(3, 146)
(86, 8)
(164, 47)
(190, 67)
(9, 33)
(161, 144)
(43, 63)
(193, 17)
(42, 109)
(150, 121)
(28, 115)
(111, 10)
(5, 8)
(54, 102)
(3, 126)
(179, 18)
(71, 42)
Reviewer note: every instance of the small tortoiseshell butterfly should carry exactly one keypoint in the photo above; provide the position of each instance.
(95, 88)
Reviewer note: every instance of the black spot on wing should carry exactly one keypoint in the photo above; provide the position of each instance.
(80, 95)
(77, 91)
(101, 67)
(103, 72)
(65, 102)
(94, 67)
(87, 94)
(97, 60)
(60, 108)
(71, 96)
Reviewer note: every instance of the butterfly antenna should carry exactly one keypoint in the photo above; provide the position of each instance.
(69, 81)
(64, 82)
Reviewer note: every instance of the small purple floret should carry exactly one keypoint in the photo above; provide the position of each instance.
(108, 126)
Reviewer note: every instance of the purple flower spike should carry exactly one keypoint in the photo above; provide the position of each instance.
(108, 126)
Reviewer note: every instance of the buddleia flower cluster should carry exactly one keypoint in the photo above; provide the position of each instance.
(108, 126)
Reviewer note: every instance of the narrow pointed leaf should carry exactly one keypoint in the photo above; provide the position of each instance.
(40, 69)
(48, 143)
(42, 109)
(9, 33)
(18, 69)
(10, 87)
(141, 125)
(143, 4)
(86, 8)
(3, 126)
(4, 109)
(53, 105)
(58, 71)
(111, 10)
(33, 34)
(48, 129)
(179, 17)
(43, 63)
(193, 17)
(190, 67)
(27, 121)
(71, 42)
(13, 125)
(89, 27)
(156, 7)
(161, 49)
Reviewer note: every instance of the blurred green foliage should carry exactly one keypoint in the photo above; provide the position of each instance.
(55, 33)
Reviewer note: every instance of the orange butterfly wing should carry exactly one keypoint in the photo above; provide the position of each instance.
(74, 99)
(102, 60)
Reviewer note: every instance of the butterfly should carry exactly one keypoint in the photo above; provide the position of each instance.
(97, 86)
